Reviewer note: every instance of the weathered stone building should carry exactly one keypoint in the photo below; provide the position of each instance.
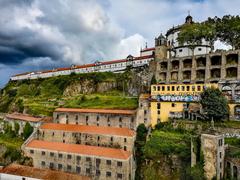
(143, 114)
(96, 117)
(88, 135)
(22, 119)
(93, 161)
(213, 150)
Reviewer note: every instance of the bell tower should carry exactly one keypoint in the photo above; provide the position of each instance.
(160, 47)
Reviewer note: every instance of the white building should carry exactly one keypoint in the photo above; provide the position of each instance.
(181, 50)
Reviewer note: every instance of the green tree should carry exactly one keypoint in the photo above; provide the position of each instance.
(228, 30)
(153, 80)
(16, 128)
(20, 105)
(214, 104)
(27, 130)
(191, 34)
(139, 144)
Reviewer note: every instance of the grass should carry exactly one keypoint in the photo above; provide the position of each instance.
(14, 142)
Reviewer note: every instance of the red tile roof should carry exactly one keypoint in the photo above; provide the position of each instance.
(45, 174)
(148, 49)
(89, 129)
(80, 149)
(23, 117)
(100, 111)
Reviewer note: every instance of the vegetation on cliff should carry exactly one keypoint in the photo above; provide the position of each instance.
(93, 90)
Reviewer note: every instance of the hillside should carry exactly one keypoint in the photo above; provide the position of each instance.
(93, 90)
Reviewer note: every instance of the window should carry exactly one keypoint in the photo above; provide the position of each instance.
(57, 116)
(109, 162)
(120, 119)
(98, 161)
(183, 88)
(97, 118)
(53, 134)
(59, 166)
(125, 139)
(78, 158)
(69, 156)
(119, 176)
(86, 118)
(199, 49)
(63, 134)
(220, 142)
(125, 148)
(119, 164)
(168, 88)
(158, 88)
(63, 140)
(43, 163)
(145, 112)
(51, 154)
(60, 155)
(178, 88)
(76, 118)
(98, 138)
(158, 105)
(180, 50)
(173, 88)
(51, 165)
(88, 159)
(88, 170)
(43, 153)
(193, 88)
(111, 139)
(78, 169)
(69, 167)
(220, 164)
(132, 119)
(173, 104)
(158, 111)
(66, 116)
(98, 172)
(188, 88)
(163, 88)
(32, 151)
(199, 88)
(108, 174)
(220, 155)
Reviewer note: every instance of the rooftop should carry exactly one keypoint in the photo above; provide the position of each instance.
(100, 111)
(24, 117)
(89, 129)
(80, 149)
(46, 174)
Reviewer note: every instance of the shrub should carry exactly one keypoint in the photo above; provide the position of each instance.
(27, 131)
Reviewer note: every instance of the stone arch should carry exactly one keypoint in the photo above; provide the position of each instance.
(227, 91)
(237, 112)
(237, 90)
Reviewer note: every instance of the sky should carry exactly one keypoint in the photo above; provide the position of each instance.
(45, 34)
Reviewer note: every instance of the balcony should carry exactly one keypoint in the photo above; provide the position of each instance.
(186, 75)
(200, 75)
(163, 66)
(187, 64)
(216, 60)
(175, 65)
(231, 73)
(215, 73)
(201, 62)
(232, 60)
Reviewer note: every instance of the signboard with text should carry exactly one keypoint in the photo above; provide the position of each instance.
(177, 98)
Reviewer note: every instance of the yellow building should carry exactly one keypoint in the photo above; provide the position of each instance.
(170, 100)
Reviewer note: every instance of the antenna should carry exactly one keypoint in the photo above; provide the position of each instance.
(146, 45)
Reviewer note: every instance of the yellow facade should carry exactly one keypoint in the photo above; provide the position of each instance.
(179, 89)
(162, 110)
(162, 114)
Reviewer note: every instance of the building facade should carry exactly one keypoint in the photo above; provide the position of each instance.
(106, 66)
(173, 100)
(99, 162)
(22, 119)
(96, 117)
(121, 138)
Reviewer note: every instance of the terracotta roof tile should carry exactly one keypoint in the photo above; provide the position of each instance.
(101, 111)
(89, 129)
(80, 149)
(23, 117)
(45, 174)
(148, 49)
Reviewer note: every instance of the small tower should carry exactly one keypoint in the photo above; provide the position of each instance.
(189, 19)
(160, 40)
(160, 47)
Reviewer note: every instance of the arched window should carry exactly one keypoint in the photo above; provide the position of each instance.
(227, 91)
